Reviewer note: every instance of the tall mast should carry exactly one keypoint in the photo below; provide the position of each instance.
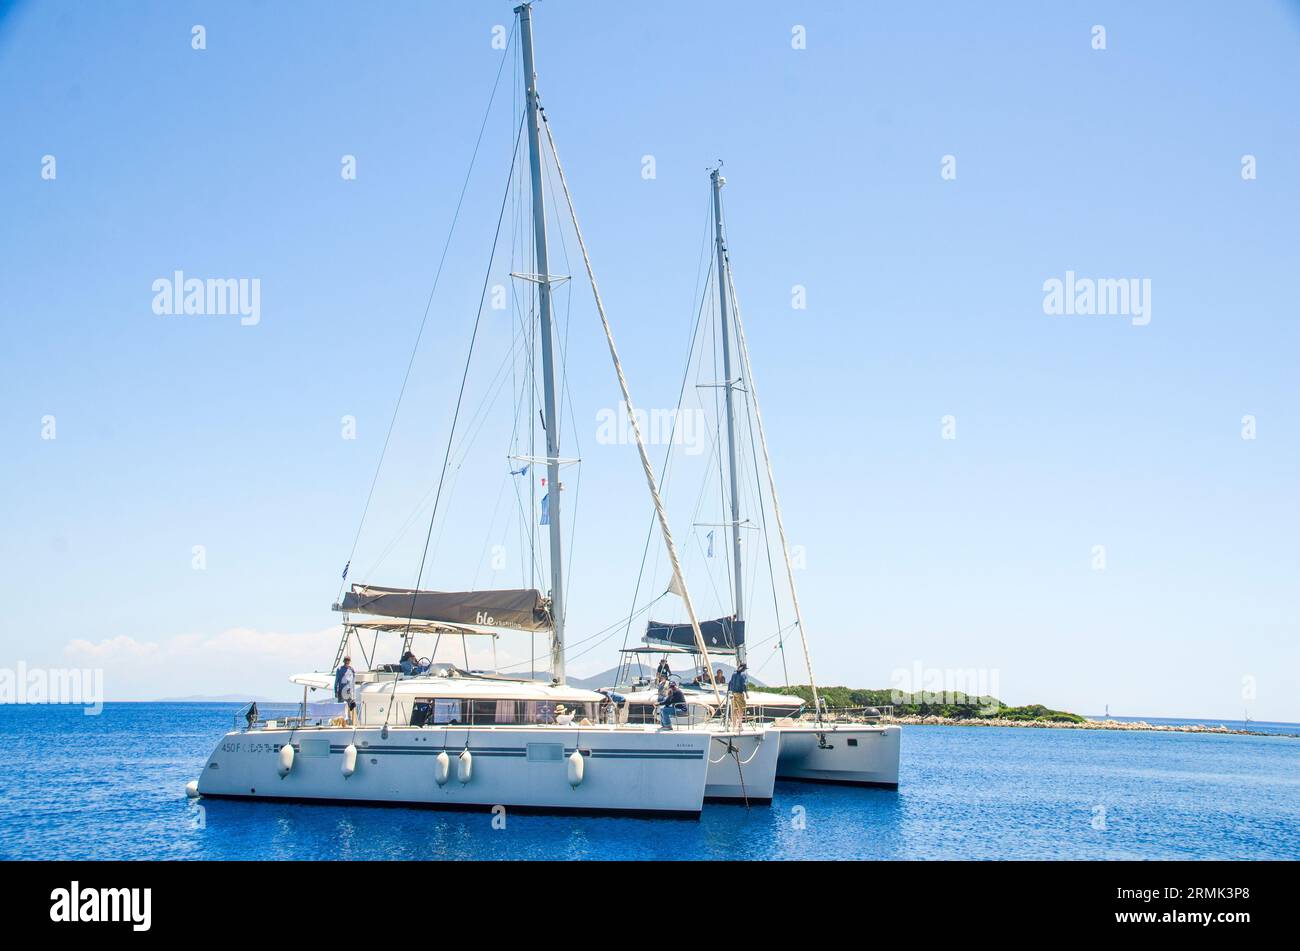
(679, 582)
(727, 383)
(543, 279)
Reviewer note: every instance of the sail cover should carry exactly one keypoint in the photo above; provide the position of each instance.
(725, 633)
(522, 609)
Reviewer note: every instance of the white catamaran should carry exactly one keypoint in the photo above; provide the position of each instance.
(437, 735)
(852, 749)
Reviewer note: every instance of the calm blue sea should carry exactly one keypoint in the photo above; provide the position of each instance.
(112, 786)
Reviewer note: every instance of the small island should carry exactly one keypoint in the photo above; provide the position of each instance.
(947, 706)
(957, 709)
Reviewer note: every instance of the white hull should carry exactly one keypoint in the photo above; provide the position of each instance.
(854, 754)
(626, 769)
(748, 774)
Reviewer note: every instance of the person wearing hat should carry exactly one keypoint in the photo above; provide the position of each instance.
(663, 671)
(345, 687)
(736, 688)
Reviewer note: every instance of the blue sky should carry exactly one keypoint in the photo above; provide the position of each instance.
(924, 300)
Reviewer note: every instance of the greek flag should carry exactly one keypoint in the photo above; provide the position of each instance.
(546, 509)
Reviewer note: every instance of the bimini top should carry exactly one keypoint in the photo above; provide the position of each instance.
(663, 649)
(521, 609)
(399, 626)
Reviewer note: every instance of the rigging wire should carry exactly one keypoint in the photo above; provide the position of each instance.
(442, 260)
(460, 395)
(608, 631)
(686, 370)
(776, 505)
(476, 424)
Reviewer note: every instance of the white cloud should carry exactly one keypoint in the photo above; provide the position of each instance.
(235, 661)
(238, 641)
(116, 646)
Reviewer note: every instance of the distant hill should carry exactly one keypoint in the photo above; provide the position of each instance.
(957, 705)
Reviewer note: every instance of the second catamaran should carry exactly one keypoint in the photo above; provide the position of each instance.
(849, 749)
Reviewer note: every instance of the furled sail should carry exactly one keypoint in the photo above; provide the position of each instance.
(725, 633)
(522, 609)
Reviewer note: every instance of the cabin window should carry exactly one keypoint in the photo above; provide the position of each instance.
(425, 711)
(445, 711)
(483, 711)
(421, 711)
(448, 711)
(509, 711)
(640, 713)
(495, 712)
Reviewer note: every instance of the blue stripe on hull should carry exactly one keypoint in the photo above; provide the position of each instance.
(618, 753)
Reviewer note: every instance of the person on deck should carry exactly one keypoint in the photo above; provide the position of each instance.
(736, 689)
(610, 706)
(345, 687)
(668, 708)
(663, 671)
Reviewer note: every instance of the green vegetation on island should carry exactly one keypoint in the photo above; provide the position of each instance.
(955, 706)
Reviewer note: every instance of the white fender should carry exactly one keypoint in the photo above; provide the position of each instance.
(576, 769)
(442, 768)
(286, 760)
(350, 760)
(192, 789)
(464, 766)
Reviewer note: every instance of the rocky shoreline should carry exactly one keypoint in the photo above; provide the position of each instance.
(1086, 725)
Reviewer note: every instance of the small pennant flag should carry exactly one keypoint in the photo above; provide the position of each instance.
(710, 544)
(345, 570)
(523, 471)
(546, 509)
